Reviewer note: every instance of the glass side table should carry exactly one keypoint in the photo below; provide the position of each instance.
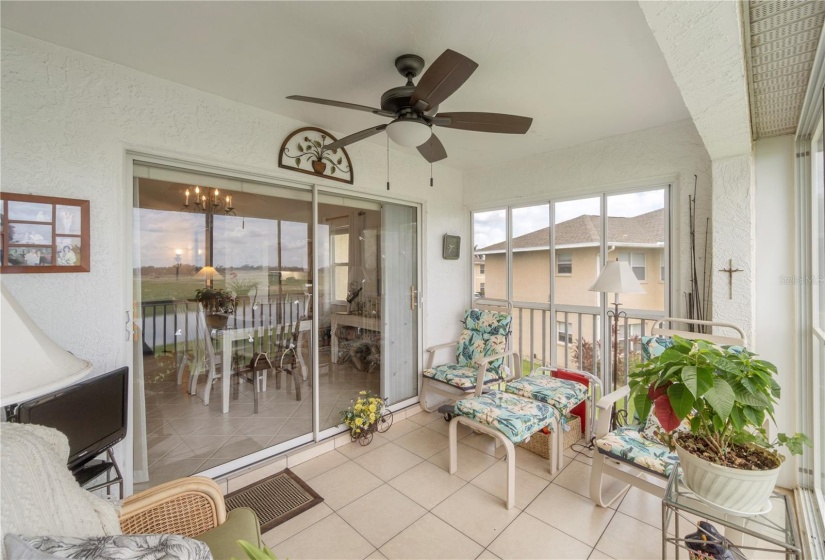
(776, 527)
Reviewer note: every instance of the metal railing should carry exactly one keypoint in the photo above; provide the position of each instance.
(539, 341)
(162, 332)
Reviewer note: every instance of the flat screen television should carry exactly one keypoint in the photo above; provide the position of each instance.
(92, 414)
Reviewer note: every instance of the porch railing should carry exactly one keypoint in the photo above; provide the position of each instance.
(540, 342)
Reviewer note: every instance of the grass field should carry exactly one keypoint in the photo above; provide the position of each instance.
(164, 286)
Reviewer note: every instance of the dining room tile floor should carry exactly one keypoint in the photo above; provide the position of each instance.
(395, 499)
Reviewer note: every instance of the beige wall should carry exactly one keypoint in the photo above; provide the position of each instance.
(531, 283)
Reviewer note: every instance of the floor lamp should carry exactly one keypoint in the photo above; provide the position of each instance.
(618, 278)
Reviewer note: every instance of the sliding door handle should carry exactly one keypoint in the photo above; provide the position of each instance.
(413, 298)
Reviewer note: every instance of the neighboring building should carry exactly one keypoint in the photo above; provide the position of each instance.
(638, 240)
(479, 270)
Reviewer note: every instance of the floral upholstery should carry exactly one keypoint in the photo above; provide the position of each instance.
(515, 417)
(653, 346)
(473, 345)
(463, 377)
(653, 428)
(627, 444)
(487, 322)
(562, 394)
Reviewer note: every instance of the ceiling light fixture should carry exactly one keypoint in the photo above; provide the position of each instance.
(409, 132)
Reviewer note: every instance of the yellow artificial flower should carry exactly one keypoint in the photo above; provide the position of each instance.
(372, 417)
(359, 421)
(362, 393)
(372, 407)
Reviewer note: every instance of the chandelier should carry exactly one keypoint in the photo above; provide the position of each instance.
(209, 202)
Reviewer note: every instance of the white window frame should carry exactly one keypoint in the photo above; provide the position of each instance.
(566, 261)
(564, 335)
(630, 258)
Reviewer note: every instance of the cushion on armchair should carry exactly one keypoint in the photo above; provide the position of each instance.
(40, 495)
(113, 547)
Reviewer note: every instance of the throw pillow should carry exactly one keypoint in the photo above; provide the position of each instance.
(119, 547)
(654, 345)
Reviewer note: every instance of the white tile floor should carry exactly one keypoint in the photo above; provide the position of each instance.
(395, 499)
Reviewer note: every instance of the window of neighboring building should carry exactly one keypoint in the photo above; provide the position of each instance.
(340, 264)
(565, 332)
(662, 266)
(481, 269)
(481, 289)
(636, 260)
(564, 262)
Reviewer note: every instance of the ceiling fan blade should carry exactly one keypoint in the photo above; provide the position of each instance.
(352, 138)
(432, 150)
(485, 122)
(341, 104)
(442, 79)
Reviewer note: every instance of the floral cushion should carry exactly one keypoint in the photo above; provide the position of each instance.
(515, 417)
(487, 322)
(653, 346)
(562, 394)
(473, 345)
(119, 547)
(627, 444)
(463, 377)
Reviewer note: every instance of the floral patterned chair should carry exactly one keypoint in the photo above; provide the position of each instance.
(630, 451)
(482, 359)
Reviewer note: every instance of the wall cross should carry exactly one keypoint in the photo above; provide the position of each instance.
(730, 271)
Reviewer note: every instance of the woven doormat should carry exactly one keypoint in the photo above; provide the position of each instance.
(275, 499)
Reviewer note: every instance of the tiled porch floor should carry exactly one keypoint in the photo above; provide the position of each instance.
(395, 499)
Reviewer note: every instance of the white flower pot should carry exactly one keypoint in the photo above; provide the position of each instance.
(738, 490)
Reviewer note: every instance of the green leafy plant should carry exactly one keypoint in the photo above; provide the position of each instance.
(255, 553)
(216, 300)
(726, 392)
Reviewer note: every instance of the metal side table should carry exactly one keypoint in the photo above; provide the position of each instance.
(776, 528)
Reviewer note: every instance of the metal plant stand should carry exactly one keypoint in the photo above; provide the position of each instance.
(776, 528)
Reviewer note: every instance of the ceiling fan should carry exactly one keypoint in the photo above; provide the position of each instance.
(414, 108)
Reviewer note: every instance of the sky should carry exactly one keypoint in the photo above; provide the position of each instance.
(490, 227)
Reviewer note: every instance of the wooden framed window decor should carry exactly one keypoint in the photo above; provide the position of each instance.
(43, 234)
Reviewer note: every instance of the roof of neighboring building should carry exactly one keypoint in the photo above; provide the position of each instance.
(644, 229)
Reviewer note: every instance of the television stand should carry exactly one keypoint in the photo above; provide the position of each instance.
(96, 467)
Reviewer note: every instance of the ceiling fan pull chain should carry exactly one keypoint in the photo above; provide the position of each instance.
(431, 174)
(388, 163)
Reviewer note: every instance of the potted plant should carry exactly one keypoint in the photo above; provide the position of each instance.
(726, 395)
(366, 415)
(218, 305)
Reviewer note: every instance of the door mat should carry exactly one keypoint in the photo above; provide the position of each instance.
(275, 499)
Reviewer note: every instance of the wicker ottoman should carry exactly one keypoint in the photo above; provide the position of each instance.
(542, 444)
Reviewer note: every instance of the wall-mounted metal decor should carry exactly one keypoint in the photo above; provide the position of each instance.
(43, 234)
(304, 151)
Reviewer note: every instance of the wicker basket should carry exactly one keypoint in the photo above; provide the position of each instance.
(541, 443)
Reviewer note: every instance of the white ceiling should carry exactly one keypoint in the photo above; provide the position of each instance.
(582, 70)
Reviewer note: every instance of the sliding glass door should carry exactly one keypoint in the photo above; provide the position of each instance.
(228, 332)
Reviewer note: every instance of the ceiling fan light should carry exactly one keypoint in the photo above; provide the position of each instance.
(409, 133)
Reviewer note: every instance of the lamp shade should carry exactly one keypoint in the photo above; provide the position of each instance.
(617, 277)
(209, 273)
(32, 364)
(408, 132)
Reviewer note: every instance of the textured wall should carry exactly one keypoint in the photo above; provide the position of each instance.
(66, 119)
(702, 44)
(733, 238)
(673, 151)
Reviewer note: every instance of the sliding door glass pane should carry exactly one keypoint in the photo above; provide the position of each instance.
(490, 254)
(197, 384)
(576, 265)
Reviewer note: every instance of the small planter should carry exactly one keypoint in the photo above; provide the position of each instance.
(364, 437)
(216, 320)
(738, 490)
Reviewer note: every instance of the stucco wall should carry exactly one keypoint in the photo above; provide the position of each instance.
(67, 119)
(647, 157)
